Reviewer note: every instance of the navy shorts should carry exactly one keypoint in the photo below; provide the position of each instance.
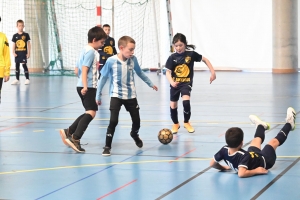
(180, 89)
(89, 99)
(267, 152)
(21, 58)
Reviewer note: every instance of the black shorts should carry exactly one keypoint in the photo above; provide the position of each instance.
(21, 58)
(268, 154)
(129, 104)
(89, 99)
(181, 89)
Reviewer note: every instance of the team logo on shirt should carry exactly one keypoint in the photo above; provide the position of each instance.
(111, 42)
(108, 50)
(187, 59)
(23, 37)
(182, 72)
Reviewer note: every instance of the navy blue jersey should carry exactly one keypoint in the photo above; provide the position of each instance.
(241, 158)
(21, 42)
(182, 66)
(107, 50)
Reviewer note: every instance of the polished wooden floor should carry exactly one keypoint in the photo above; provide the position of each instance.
(35, 164)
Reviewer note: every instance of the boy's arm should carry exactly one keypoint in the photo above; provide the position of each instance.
(6, 55)
(100, 86)
(169, 77)
(28, 49)
(14, 49)
(218, 166)
(212, 71)
(244, 172)
(85, 70)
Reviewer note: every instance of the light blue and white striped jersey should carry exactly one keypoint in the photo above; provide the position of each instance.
(121, 74)
(89, 57)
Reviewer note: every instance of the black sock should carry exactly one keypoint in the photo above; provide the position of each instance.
(82, 126)
(260, 132)
(73, 127)
(17, 71)
(174, 115)
(109, 137)
(26, 72)
(282, 135)
(186, 110)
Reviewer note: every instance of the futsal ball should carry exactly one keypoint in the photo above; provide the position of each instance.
(165, 136)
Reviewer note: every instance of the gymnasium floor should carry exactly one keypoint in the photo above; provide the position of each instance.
(35, 164)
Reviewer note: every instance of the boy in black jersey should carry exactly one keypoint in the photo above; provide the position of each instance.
(255, 161)
(21, 50)
(180, 73)
(108, 49)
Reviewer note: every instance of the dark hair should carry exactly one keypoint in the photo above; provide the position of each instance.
(106, 25)
(96, 33)
(234, 137)
(123, 41)
(20, 21)
(180, 37)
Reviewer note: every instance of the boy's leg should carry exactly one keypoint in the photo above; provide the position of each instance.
(259, 136)
(26, 72)
(15, 82)
(133, 108)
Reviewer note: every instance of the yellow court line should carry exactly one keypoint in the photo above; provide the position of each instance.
(117, 163)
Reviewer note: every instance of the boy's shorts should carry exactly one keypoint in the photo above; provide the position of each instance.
(267, 152)
(21, 58)
(130, 105)
(181, 89)
(89, 99)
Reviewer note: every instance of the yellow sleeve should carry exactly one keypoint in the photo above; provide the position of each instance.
(6, 56)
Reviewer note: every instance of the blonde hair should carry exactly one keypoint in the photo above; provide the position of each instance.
(124, 40)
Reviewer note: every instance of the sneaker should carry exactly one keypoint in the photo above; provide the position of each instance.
(291, 117)
(175, 128)
(75, 144)
(27, 81)
(137, 140)
(15, 82)
(255, 120)
(64, 134)
(106, 151)
(189, 127)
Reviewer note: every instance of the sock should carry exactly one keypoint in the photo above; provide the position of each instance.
(26, 71)
(174, 115)
(282, 135)
(134, 133)
(17, 71)
(260, 132)
(73, 127)
(186, 110)
(109, 137)
(82, 126)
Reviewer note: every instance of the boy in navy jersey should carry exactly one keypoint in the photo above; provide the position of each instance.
(120, 69)
(180, 73)
(254, 161)
(21, 50)
(86, 70)
(108, 48)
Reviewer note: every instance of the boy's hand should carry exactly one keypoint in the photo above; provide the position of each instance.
(98, 103)
(15, 55)
(154, 87)
(6, 78)
(261, 170)
(28, 55)
(83, 91)
(174, 84)
(212, 77)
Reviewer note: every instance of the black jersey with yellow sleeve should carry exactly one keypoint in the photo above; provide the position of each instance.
(107, 50)
(21, 42)
(242, 158)
(182, 66)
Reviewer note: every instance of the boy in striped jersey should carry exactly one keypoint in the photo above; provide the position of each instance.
(120, 69)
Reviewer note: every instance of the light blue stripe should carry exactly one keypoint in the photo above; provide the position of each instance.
(119, 79)
(129, 74)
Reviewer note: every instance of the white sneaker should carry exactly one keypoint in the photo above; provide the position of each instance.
(15, 82)
(27, 82)
(255, 120)
(291, 117)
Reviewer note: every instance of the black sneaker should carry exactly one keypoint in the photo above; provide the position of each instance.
(64, 134)
(137, 140)
(75, 144)
(106, 151)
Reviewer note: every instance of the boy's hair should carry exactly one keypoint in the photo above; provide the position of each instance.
(106, 25)
(180, 37)
(123, 41)
(96, 33)
(234, 137)
(20, 21)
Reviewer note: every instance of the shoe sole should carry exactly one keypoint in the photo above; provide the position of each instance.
(268, 124)
(73, 146)
(105, 154)
(63, 137)
(295, 118)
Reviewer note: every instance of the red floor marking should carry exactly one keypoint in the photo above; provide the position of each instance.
(221, 134)
(24, 124)
(116, 189)
(183, 154)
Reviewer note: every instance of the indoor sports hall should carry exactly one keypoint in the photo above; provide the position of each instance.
(253, 47)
